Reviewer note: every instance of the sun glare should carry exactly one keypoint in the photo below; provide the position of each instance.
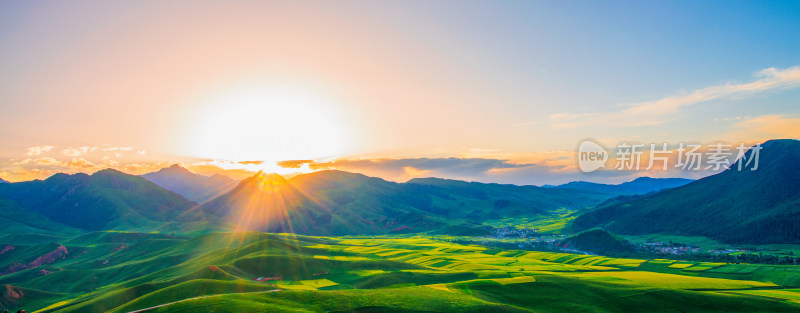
(271, 123)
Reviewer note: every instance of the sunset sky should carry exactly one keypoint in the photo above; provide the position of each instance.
(496, 91)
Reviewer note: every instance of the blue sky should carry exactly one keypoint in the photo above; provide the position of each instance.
(520, 81)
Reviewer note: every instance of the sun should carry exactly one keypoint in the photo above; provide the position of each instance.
(270, 123)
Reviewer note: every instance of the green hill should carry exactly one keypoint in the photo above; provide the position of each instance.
(598, 241)
(108, 199)
(15, 219)
(761, 206)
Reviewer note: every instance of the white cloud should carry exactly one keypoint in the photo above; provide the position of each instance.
(655, 112)
(33, 151)
(74, 152)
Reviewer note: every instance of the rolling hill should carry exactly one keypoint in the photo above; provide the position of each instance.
(761, 206)
(105, 200)
(195, 187)
(256, 272)
(598, 241)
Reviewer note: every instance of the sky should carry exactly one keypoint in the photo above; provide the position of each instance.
(500, 91)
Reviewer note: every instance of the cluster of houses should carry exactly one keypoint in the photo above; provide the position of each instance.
(513, 232)
(663, 248)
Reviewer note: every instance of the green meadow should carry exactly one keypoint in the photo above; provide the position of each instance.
(260, 272)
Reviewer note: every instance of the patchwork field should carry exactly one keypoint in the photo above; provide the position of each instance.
(258, 272)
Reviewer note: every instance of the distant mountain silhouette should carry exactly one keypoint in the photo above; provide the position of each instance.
(2, 181)
(639, 186)
(195, 187)
(108, 199)
(761, 206)
(337, 203)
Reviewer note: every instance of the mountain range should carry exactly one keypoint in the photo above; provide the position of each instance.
(638, 186)
(324, 203)
(733, 206)
(747, 206)
(107, 199)
(336, 202)
(195, 187)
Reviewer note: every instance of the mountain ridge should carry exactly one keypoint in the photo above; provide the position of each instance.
(107, 199)
(638, 186)
(195, 187)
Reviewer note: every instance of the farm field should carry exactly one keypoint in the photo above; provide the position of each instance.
(260, 272)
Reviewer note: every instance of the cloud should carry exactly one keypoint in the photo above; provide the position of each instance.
(294, 163)
(79, 163)
(46, 161)
(251, 162)
(766, 127)
(550, 168)
(398, 166)
(34, 151)
(74, 152)
(657, 111)
(118, 149)
(472, 169)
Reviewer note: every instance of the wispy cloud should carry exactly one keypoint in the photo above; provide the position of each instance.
(658, 111)
(118, 149)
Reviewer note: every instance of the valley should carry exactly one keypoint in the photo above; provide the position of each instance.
(334, 241)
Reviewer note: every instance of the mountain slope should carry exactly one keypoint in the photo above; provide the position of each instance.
(480, 201)
(108, 199)
(195, 187)
(15, 219)
(2, 181)
(639, 186)
(327, 202)
(761, 206)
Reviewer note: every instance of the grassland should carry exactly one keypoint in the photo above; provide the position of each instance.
(258, 272)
